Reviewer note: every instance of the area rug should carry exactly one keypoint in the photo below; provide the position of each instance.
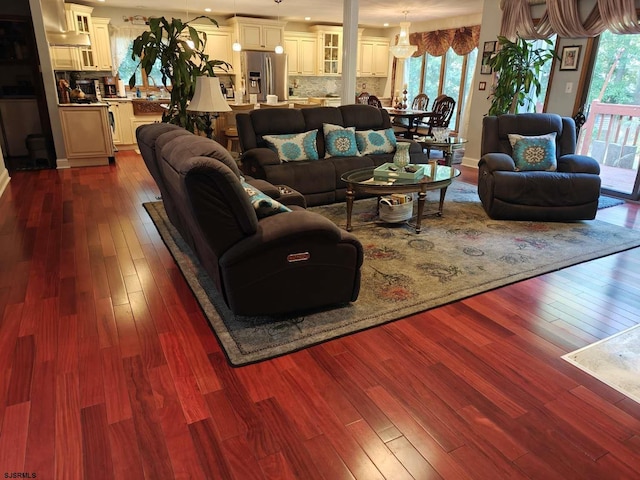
(606, 202)
(460, 254)
(614, 361)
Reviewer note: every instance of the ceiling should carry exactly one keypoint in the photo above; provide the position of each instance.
(372, 13)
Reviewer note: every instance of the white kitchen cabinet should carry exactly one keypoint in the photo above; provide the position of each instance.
(258, 34)
(65, 58)
(218, 47)
(101, 44)
(79, 20)
(302, 51)
(373, 57)
(87, 134)
(122, 114)
(329, 49)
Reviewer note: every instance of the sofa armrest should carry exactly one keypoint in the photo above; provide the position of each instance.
(254, 160)
(290, 228)
(497, 161)
(575, 163)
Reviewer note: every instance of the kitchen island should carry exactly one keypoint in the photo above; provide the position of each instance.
(87, 134)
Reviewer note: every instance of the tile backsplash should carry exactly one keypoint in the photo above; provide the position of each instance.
(321, 86)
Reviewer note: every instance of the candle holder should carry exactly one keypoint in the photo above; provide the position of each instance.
(404, 98)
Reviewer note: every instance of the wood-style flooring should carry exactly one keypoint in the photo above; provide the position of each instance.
(109, 370)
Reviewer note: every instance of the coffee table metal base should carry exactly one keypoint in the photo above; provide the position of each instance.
(386, 190)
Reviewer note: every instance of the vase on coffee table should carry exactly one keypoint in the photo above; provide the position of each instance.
(401, 158)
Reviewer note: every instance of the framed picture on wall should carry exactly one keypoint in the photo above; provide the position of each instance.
(570, 57)
(488, 49)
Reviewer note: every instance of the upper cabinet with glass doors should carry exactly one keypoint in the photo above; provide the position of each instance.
(329, 49)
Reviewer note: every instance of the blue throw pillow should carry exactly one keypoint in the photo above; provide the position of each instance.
(371, 142)
(292, 147)
(340, 141)
(534, 152)
(264, 205)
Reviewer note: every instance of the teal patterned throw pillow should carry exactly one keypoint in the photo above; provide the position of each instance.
(264, 205)
(371, 142)
(292, 147)
(340, 141)
(534, 152)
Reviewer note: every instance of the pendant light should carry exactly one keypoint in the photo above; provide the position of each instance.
(279, 48)
(403, 49)
(236, 47)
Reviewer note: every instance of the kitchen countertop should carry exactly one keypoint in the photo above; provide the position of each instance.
(94, 104)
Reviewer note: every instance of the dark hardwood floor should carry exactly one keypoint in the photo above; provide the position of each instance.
(108, 369)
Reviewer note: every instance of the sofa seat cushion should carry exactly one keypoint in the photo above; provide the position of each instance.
(292, 147)
(545, 189)
(344, 164)
(308, 176)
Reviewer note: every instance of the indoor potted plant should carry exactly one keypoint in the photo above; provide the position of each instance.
(517, 65)
(179, 49)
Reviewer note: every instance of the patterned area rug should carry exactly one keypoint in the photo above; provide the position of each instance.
(614, 361)
(460, 254)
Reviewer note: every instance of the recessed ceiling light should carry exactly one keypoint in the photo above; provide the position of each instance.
(307, 18)
(207, 9)
(385, 24)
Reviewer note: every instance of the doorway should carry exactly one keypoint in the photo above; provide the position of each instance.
(611, 133)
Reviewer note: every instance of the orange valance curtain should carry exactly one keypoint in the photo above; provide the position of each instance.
(437, 42)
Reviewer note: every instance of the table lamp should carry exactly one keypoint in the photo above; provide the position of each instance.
(208, 101)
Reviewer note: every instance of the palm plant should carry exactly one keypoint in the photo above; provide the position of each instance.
(179, 49)
(518, 66)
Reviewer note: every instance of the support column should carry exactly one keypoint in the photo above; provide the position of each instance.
(349, 50)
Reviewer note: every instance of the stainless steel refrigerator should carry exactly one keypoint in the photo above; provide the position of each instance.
(264, 73)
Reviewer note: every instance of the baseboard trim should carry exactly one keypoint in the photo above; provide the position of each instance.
(62, 163)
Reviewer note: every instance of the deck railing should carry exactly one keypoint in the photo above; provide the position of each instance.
(611, 134)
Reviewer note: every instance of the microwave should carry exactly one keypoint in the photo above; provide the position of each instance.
(88, 87)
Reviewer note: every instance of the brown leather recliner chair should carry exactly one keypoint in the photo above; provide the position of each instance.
(569, 193)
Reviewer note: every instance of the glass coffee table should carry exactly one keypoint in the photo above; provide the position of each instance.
(362, 181)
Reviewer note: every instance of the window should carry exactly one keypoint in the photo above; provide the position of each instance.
(128, 66)
(449, 74)
(543, 76)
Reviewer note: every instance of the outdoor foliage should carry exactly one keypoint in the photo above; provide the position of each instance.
(623, 86)
(518, 65)
(168, 43)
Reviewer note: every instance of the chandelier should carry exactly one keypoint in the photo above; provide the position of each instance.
(403, 49)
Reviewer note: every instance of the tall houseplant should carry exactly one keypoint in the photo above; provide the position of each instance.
(518, 66)
(179, 49)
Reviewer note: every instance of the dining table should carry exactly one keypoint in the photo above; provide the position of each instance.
(413, 118)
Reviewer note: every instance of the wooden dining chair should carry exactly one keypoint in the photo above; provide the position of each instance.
(374, 101)
(230, 130)
(363, 98)
(443, 107)
(420, 102)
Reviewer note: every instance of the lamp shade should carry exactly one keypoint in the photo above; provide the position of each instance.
(208, 96)
(403, 49)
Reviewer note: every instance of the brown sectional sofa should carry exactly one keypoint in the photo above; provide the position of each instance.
(261, 265)
(318, 180)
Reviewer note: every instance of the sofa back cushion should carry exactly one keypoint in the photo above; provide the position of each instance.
(496, 130)
(146, 136)
(215, 208)
(365, 117)
(267, 121)
(316, 118)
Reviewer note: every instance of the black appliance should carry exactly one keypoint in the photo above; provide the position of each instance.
(89, 89)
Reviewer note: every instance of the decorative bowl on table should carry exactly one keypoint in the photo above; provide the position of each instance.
(440, 134)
